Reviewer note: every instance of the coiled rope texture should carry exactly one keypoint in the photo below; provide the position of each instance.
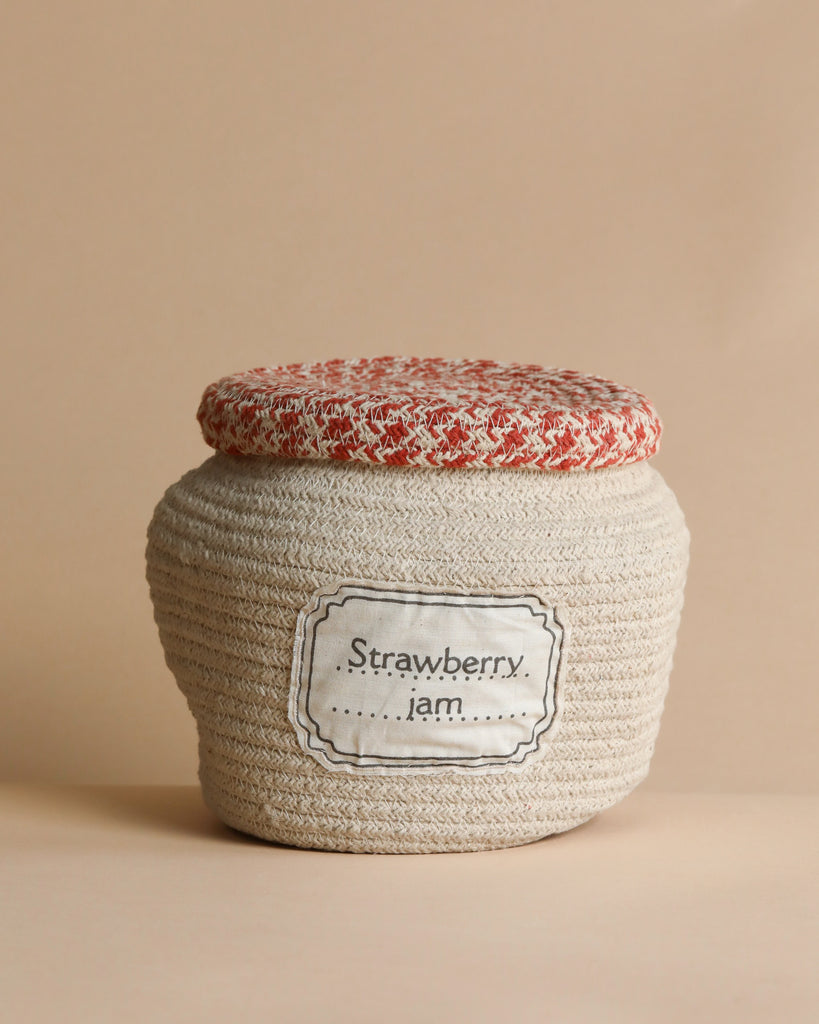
(238, 545)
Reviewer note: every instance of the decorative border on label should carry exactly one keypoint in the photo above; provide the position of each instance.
(323, 747)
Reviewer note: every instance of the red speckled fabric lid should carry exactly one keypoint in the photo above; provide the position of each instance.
(449, 413)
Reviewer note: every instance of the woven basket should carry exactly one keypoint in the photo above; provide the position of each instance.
(420, 605)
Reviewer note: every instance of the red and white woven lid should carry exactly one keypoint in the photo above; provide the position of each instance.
(430, 412)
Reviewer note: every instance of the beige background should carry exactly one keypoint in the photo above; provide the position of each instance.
(190, 189)
(134, 905)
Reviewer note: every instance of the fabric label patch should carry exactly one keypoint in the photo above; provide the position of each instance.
(388, 680)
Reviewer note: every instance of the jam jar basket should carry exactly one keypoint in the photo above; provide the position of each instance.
(420, 605)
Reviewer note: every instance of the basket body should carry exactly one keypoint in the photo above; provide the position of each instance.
(238, 546)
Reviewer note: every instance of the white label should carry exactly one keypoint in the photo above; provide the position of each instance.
(387, 680)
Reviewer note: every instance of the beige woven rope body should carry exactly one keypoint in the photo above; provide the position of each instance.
(238, 546)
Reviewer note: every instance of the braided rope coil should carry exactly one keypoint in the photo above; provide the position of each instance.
(237, 547)
(468, 414)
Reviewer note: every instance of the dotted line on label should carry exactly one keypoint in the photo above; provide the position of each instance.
(426, 718)
(455, 678)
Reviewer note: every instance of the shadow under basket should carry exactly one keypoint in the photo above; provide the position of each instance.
(419, 605)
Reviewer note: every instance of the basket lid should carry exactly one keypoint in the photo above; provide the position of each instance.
(409, 411)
